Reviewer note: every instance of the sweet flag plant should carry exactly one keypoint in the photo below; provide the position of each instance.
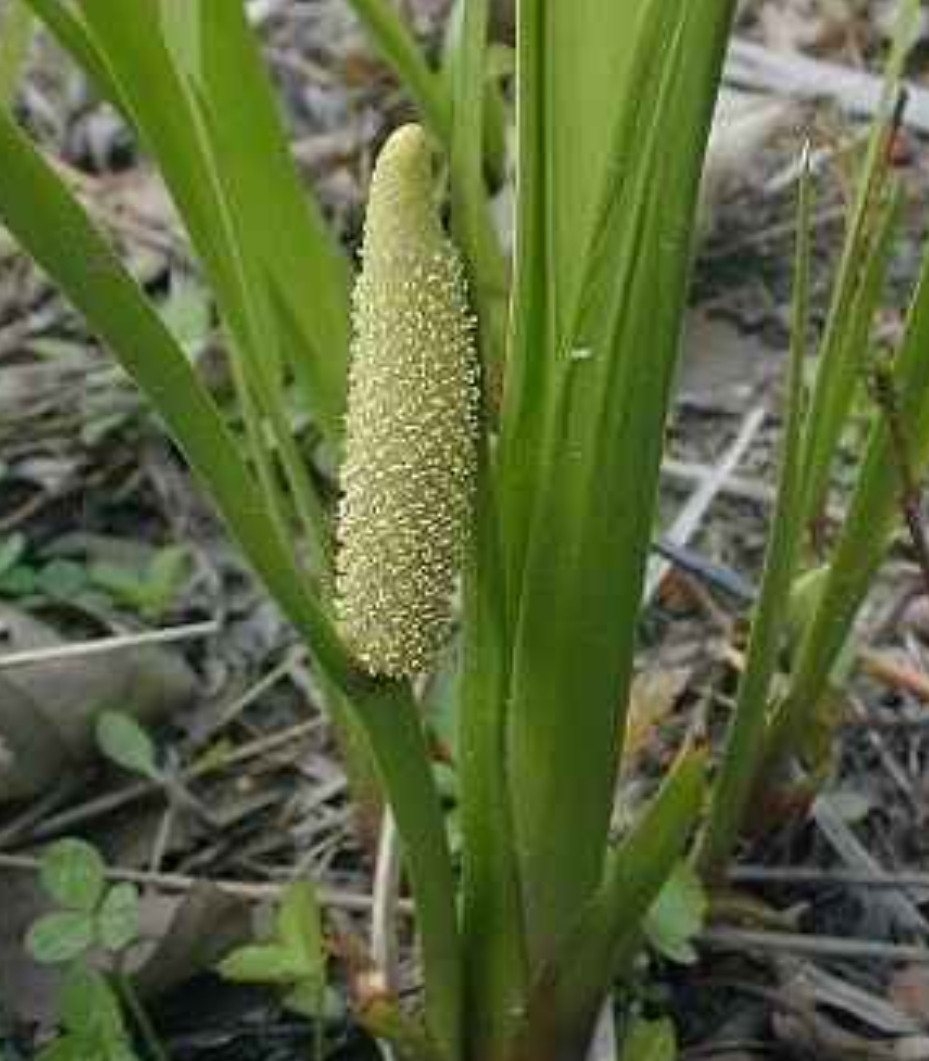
(498, 423)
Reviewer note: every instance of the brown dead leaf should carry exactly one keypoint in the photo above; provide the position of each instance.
(653, 696)
(909, 992)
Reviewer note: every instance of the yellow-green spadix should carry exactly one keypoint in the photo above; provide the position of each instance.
(411, 425)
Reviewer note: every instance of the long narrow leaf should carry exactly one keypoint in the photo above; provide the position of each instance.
(564, 73)
(856, 290)
(472, 223)
(492, 922)
(16, 32)
(279, 236)
(745, 742)
(400, 50)
(570, 990)
(866, 531)
(73, 34)
(598, 391)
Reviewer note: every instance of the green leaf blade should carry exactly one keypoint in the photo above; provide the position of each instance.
(747, 734)
(262, 964)
(608, 931)
(123, 740)
(677, 915)
(300, 928)
(589, 377)
(118, 917)
(60, 937)
(73, 874)
(650, 1040)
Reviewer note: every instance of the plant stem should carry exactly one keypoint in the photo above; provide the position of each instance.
(864, 536)
(571, 987)
(493, 923)
(492, 918)
(745, 741)
(885, 395)
(127, 992)
(853, 304)
(398, 48)
(394, 729)
(383, 1018)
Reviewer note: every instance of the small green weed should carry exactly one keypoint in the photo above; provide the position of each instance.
(89, 932)
(294, 958)
(149, 591)
(122, 740)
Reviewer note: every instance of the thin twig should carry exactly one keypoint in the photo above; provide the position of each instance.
(265, 683)
(725, 938)
(385, 898)
(849, 848)
(831, 877)
(890, 762)
(105, 645)
(140, 790)
(386, 894)
(691, 516)
(895, 673)
(174, 883)
(735, 485)
(857, 92)
(706, 571)
(35, 812)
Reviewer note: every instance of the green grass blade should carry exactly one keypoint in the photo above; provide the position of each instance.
(569, 60)
(493, 101)
(255, 227)
(173, 75)
(428, 88)
(865, 534)
(398, 48)
(306, 271)
(394, 729)
(72, 33)
(745, 741)
(856, 291)
(602, 393)
(261, 373)
(492, 917)
(16, 31)
(495, 970)
(570, 990)
(471, 220)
